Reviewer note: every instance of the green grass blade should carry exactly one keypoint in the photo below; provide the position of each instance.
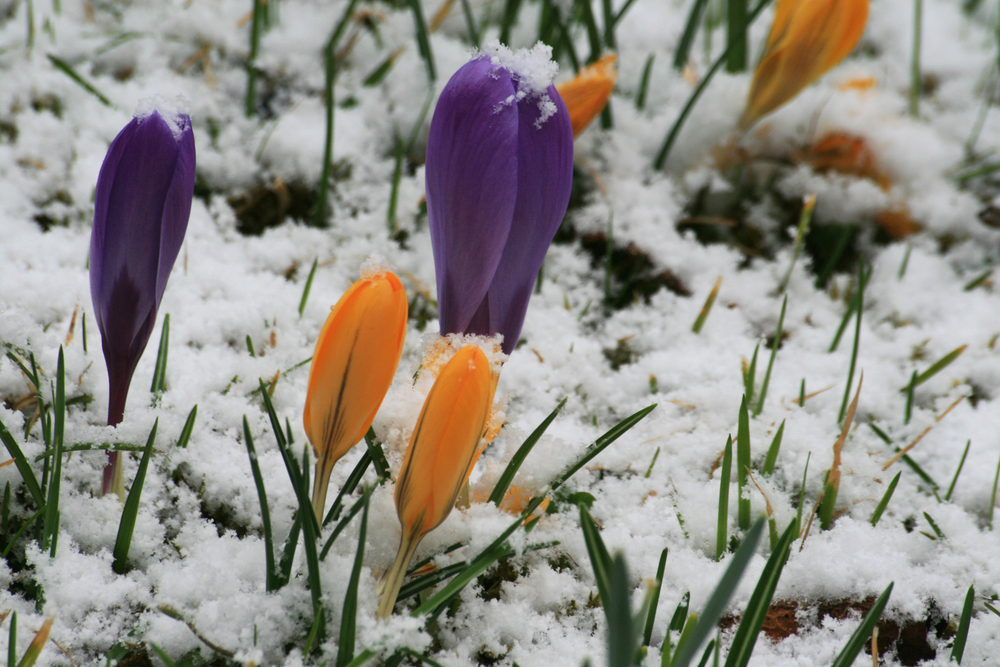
(161, 654)
(760, 600)
(600, 560)
(722, 532)
(621, 626)
(21, 531)
(397, 176)
(349, 612)
(683, 52)
(23, 467)
(342, 524)
(652, 463)
(50, 527)
(255, 29)
(131, 510)
(647, 71)
(608, 18)
(720, 597)
(68, 70)
(904, 263)
(805, 218)
(352, 483)
(271, 578)
(851, 309)
(500, 490)
(586, 14)
(962, 635)
(601, 444)
(699, 321)
(993, 496)
(159, 383)
(979, 280)
(772, 451)
(857, 341)
(750, 377)
(654, 600)
(668, 143)
(378, 456)
(362, 658)
(470, 24)
(939, 365)
(916, 81)
(736, 34)
(423, 40)
(934, 526)
(308, 286)
(284, 574)
(511, 9)
(845, 238)
(905, 459)
(250, 346)
(864, 631)
(908, 410)
(12, 641)
(961, 463)
(770, 363)
(743, 465)
(882, 504)
(188, 429)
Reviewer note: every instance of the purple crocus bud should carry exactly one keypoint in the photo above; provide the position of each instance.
(499, 171)
(141, 212)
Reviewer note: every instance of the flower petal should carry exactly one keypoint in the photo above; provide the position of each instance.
(472, 185)
(177, 207)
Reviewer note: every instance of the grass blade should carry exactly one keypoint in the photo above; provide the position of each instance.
(720, 597)
(736, 24)
(378, 456)
(131, 510)
(916, 82)
(770, 363)
(160, 370)
(12, 641)
(743, 465)
(351, 513)
(352, 483)
(647, 71)
(185, 436)
(397, 175)
(23, 467)
(699, 321)
(601, 444)
(851, 309)
(271, 578)
(805, 217)
(470, 24)
(68, 70)
(345, 652)
(832, 486)
(939, 365)
(882, 504)
(772, 451)
(908, 410)
(500, 490)
(22, 530)
(722, 532)
(600, 560)
(864, 631)
(750, 376)
(687, 38)
(284, 573)
(423, 40)
(993, 496)
(958, 648)
(255, 30)
(654, 599)
(307, 287)
(961, 463)
(50, 527)
(760, 600)
(37, 644)
(857, 342)
(845, 238)
(621, 626)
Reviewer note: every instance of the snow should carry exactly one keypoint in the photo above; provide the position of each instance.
(198, 546)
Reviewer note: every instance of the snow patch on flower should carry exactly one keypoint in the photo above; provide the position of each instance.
(533, 69)
(376, 265)
(175, 113)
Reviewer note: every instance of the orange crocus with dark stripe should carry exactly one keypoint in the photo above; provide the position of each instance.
(808, 38)
(588, 92)
(355, 360)
(443, 448)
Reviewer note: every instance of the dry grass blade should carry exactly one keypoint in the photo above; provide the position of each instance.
(901, 453)
(833, 479)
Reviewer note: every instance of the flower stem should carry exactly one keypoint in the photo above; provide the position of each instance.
(394, 578)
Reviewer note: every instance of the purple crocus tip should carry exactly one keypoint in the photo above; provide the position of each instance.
(141, 211)
(498, 176)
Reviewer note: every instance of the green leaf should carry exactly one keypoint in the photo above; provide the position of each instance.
(22, 465)
(720, 597)
(864, 631)
(188, 429)
(353, 512)
(743, 463)
(271, 578)
(352, 483)
(345, 652)
(600, 560)
(50, 527)
(654, 598)
(131, 510)
(722, 531)
(160, 370)
(68, 70)
(772, 451)
(961, 463)
(308, 286)
(687, 37)
(378, 456)
(882, 504)
(622, 629)
(601, 444)
(500, 490)
(770, 363)
(962, 635)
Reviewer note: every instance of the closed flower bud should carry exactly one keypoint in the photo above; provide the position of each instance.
(808, 38)
(588, 92)
(443, 448)
(141, 210)
(499, 170)
(355, 360)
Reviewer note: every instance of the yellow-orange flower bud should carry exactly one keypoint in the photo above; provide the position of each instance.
(588, 92)
(353, 365)
(808, 38)
(443, 447)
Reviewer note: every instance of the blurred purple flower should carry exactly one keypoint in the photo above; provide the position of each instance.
(499, 171)
(141, 212)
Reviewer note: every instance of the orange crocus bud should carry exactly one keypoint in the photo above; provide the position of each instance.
(352, 368)
(443, 447)
(588, 92)
(808, 38)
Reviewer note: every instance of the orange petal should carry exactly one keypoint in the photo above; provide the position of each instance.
(807, 39)
(353, 365)
(588, 92)
(445, 442)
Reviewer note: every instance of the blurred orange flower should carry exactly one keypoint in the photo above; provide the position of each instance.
(443, 449)
(808, 38)
(355, 360)
(588, 92)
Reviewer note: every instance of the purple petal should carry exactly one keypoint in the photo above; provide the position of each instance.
(545, 176)
(472, 185)
(177, 208)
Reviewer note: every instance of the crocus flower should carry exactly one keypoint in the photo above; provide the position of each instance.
(141, 211)
(442, 451)
(807, 39)
(355, 360)
(587, 93)
(498, 176)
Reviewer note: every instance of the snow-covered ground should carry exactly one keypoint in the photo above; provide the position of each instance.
(198, 545)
